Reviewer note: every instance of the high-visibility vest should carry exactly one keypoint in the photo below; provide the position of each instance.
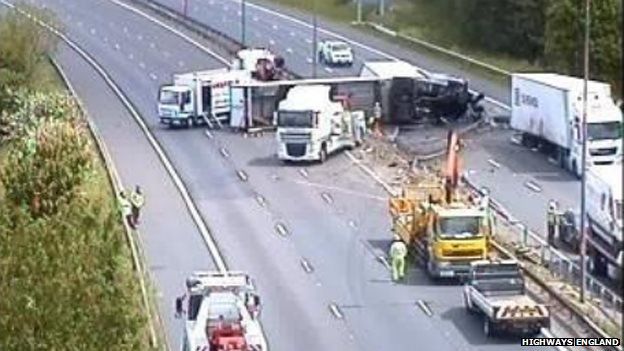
(398, 249)
(552, 217)
(137, 199)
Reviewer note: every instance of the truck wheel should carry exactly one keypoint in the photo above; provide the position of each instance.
(488, 328)
(323, 154)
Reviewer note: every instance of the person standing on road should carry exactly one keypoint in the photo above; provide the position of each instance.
(398, 252)
(552, 222)
(137, 200)
(126, 208)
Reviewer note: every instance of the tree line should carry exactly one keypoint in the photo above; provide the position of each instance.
(547, 33)
(66, 280)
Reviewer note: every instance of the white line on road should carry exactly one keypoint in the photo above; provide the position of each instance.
(261, 200)
(352, 224)
(152, 45)
(181, 63)
(329, 70)
(335, 311)
(175, 31)
(327, 198)
(307, 267)
(384, 261)
(533, 186)
(308, 40)
(281, 229)
(275, 27)
(255, 18)
(131, 57)
(92, 31)
(208, 134)
(303, 172)
(139, 37)
(494, 163)
(224, 152)
(289, 50)
(242, 175)
(292, 34)
(309, 60)
(271, 42)
(423, 306)
(117, 47)
(341, 190)
(153, 76)
(142, 65)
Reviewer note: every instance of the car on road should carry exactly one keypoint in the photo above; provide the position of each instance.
(333, 52)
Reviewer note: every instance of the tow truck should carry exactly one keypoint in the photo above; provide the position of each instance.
(222, 313)
(445, 231)
(496, 289)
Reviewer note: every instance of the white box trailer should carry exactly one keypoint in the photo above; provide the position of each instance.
(195, 96)
(548, 110)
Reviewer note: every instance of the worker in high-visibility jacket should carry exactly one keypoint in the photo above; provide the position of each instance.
(552, 221)
(125, 207)
(398, 252)
(137, 200)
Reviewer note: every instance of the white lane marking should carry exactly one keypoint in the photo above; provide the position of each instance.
(181, 63)
(309, 60)
(337, 189)
(242, 175)
(117, 47)
(552, 161)
(307, 267)
(308, 40)
(494, 163)
(289, 50)
(342, 37)
(384, 261)
(224, 152)
(352, 224)
(92, 31)
(292, 34)
(275, 27)
(255, 18)
(335, 311)
(131, 57)
(152, 45)
(139, 37)
(153, 76)
(329, 70)
(303, 172)
(175, 31)
(125, 30)
(272, 42)
(327, 198)
(423, 306)
(142, 65)
(208, 134)
(105, 39)
(260, 200)
(281, 229)
(533, 186)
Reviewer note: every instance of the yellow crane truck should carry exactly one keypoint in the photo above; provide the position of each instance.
(446, 232)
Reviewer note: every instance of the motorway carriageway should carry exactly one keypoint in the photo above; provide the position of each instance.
(312, 238)
(289, 33)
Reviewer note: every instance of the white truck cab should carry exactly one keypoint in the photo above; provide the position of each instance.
(335, 52)
(198, 95)
(310, 126)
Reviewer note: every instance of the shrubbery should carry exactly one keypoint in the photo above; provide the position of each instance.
(66, 280)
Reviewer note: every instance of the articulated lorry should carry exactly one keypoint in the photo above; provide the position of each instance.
(311, 126)
(496, 289)
(547, 109)
(196, 97)
(445, 231)
(221, 313)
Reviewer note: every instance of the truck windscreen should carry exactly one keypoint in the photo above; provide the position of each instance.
(169, 97)
(295, 119)
(459, 227)
(604, 131)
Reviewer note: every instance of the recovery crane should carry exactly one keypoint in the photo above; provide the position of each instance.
(496, 289)
(446, 232)
(222, 313)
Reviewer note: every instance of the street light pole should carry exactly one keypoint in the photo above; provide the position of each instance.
(314, 41)
(382, 7)
(359, 11)
(584, 156)
(185, 7)
(243, 23)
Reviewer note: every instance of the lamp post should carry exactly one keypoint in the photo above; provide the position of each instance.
(314, 40)
(185, 10)
(584, 156)
(359, 12)
(243, 23)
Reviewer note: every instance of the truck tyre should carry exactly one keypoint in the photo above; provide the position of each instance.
(323, 154)
(488, 327)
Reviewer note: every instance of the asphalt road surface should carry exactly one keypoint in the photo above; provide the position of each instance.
(335, 218)
(289, 33)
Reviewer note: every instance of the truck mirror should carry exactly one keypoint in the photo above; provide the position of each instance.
(178, 307)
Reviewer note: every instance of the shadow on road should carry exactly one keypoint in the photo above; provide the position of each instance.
(471, 326)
